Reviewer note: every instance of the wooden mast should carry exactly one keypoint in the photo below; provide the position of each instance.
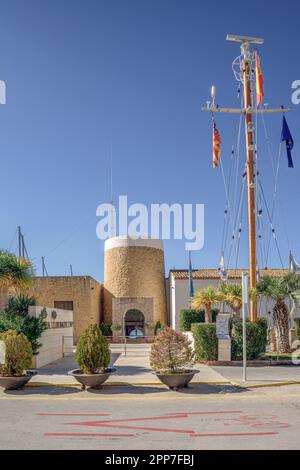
(247, 71)
(244, 75)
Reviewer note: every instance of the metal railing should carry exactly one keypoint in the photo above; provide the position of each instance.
(69, 342)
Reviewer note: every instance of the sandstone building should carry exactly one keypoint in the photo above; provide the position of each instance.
(135, 294)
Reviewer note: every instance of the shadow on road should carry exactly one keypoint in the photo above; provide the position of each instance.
(43, 390)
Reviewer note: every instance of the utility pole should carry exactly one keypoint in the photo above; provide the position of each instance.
(20, 241)
(44, 269)
(71, 270)
(23, 246)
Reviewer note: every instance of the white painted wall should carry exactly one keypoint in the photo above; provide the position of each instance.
(179, 298)
(52, 339)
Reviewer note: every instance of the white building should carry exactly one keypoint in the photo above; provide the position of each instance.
(178, 288)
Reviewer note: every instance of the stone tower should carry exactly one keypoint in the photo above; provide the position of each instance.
(134, 283)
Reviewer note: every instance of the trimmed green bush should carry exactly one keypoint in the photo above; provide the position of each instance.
(171, 352)
(106, 329)
(18, 354)
(256, 334)
(189, 316)
(92, 352)
(206, 343)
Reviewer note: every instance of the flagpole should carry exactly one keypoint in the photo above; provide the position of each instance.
(246, 71)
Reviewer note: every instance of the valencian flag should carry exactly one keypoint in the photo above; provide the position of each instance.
(259, 81)
(289, 142)
(216, 146)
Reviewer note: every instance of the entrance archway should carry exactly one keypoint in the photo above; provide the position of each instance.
(134, 323)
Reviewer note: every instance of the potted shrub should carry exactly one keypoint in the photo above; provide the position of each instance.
(171, 357)
(17, 357)
(93, 358)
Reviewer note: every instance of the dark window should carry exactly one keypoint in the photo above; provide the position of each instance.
(64, 304)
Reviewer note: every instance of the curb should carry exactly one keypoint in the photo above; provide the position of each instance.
(115, 384)
(271, 384)
(143, 384)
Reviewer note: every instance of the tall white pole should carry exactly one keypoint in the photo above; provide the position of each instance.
(245, 298)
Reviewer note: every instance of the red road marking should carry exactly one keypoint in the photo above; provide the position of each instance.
(73, 414)
(255, 421)
(85, 435)
(148, 418)
(109, 424)
(236, 434)
(140, 428)
(203, 413)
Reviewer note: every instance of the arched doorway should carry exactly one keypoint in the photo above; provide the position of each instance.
(134, 323)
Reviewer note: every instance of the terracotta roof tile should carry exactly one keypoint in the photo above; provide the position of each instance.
(214, 273)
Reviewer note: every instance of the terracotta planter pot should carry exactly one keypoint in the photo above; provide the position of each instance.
(175, 381)
(13, 383)
(91, 380)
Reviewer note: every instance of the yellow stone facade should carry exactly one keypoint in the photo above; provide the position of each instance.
(83, 291)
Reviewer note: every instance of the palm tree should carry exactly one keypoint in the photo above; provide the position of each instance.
(206, 298)
(231, 295)
(15, 274)
(278, 288)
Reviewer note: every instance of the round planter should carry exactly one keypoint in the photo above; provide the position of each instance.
(175, 381)
(13, 383)
(91, 380)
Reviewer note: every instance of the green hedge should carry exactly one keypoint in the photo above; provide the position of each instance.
(189, 316)
(206, 343)
(256, 334)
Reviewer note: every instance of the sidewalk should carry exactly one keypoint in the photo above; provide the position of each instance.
(260, 376)
(134, 369)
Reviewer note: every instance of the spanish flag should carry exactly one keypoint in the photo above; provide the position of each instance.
(216, 146)
(259, 81)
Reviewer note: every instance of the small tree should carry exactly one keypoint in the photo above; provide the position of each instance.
(231, 295)
(206, 298)
(20, 304)
(278, 288)
(92, 353)
(15, 317)
(18, 354)
(106, 329)
(171, 352)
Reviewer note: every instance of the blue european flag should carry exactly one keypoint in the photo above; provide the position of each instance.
(289, 142)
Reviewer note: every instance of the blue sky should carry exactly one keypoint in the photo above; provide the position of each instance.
(81, 75)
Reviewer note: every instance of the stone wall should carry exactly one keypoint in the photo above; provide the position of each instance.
(133, 272)
(83, 291)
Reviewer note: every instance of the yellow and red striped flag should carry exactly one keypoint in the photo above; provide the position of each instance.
(259, 81)
(216, 146)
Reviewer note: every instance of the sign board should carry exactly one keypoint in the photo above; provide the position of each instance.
(223, 326)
